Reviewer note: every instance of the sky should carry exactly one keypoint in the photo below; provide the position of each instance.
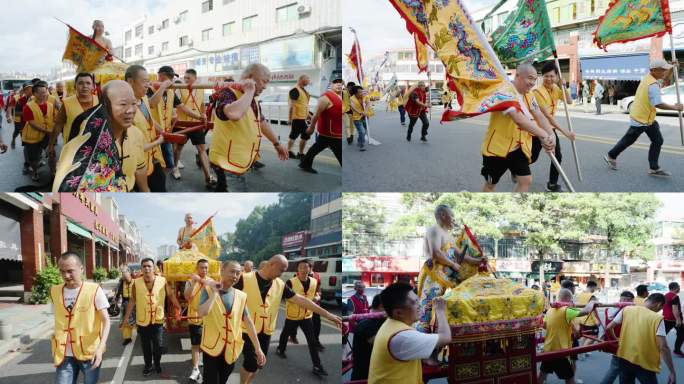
(379, 26)
(159, 216)
(33, 41)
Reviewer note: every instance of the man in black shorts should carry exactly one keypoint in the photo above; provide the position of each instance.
(507, 145)
(265, 290)
(298, 112)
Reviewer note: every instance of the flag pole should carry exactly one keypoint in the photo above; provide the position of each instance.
(676, 79)
(567, 117)
(560, 171)
(429, 98)
(371, 140)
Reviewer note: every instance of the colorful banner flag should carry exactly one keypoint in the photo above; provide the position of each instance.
(628, 20)
(525, 35)
(84, 52)
(206, 240)
(472, 69)
(421, 54)
(354, 58)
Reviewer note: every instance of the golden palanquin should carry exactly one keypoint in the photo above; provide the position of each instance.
(105, 73)
(183, 264)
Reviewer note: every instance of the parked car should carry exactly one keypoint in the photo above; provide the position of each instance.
(275, 107)
(656, 287)
(668, 94)
(435, 96)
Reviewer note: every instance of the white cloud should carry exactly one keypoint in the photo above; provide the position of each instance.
(230, 207)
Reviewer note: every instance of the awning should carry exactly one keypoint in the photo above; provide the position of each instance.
(113, 247)
(78, 230)
(101, 240)
(622, 67)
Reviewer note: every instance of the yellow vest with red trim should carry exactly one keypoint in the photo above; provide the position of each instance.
(582, 300)
(149, 305)
(235, 144)
(384, 368)
(221, 331)
(73, 108)
(504, 136)
(163, 112)
(638, 341)
(300, 107)
(294, 311)
(642, 110)
(29, 134)
(558, 330)
(126, 290)
(194, 304)
(81, 327)
(263, 313)
(149, 134)
(194, 101)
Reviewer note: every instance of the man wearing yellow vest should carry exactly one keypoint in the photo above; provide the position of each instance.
(559, 326)
(239, 126)
(163, 103)
(643, 342)
(298, 111)
(72, 106)
(148, 294)
(398, 347)
(641, 294)
(298, 317)
(81, 323)
(346, 109)
(401, 101)
(225, 315)
(124, 292)
(192, 291)
(588, 324)
(137, 78)
(38, 115)
(642, 118)
(547, 95)
(265, 290)
(507, 145)
(192, 110)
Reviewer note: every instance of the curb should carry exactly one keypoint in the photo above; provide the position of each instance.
(24, 339)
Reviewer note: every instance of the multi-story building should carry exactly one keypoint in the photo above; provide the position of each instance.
(165, 251)
(668, 263)
(219, 38)
(326, 225)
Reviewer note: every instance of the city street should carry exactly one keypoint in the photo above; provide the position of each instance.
(124, 364)
(277, 175)
(451, 159)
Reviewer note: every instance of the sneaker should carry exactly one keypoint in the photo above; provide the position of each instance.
(126, 342)
(423, 138)
(258, 165)
(157, 368)
(199, 379)
(194, 374)
(319, 371)
(180, 165)
(612, 163)
(659, 172)
(553, 188)
(176, 173)
(310, 170)
(362, 149)
(281, 354)
(147, 371)
(292, 155)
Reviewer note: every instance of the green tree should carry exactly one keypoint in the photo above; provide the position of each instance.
(361, 213)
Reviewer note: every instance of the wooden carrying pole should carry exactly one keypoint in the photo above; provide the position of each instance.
(567, 118)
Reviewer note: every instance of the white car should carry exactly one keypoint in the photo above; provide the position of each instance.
(668, 94)
(275, 107)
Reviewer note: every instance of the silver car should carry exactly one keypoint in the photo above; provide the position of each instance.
(668, 94)
(275, 107)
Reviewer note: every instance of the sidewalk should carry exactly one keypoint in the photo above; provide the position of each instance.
(591, 108)
(29, 322)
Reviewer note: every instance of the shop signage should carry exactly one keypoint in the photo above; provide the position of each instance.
(513, 265)
(549, 266)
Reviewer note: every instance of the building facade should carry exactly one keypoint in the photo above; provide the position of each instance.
(326, 225)
(668, 263)
(219, 38)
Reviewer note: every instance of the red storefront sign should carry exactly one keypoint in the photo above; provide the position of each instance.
(82, 208)
(295, 239)
(383, 264)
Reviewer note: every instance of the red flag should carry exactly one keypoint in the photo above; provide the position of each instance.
(355, 61)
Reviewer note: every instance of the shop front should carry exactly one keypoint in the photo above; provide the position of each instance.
(666, 271)
(294, 244)
(547, 270)
(382, 270)
(515, 269)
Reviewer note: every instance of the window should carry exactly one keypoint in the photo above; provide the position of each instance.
(228, 28)
(287, 13)
(150, 50)
(488, 25)
(183, 41)
(206, 34)
(128, 52)
(556, 15)
(138, 50)
(573, 10)
(150, 30)
(138, 30)
(129, 35)
(320, 266)
(183, 16)
(165, 24)
(207, 6)
(248, 23)
(501, 18)
(165, 46)
(228, 1)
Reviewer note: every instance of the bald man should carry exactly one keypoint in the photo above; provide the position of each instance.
(265, 290)
(248, 266)
(517, 127)
(298, 111)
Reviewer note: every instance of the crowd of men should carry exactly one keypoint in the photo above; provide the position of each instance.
(141, 159)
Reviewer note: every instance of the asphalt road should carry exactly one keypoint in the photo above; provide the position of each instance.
(451, 159)
(124, 364)
(276, 176)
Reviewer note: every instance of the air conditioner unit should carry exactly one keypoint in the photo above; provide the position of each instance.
(159, 27)
(177, 19)
(190, 43)
(304, 9)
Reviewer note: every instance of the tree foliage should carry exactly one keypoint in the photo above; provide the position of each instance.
(361, 213)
